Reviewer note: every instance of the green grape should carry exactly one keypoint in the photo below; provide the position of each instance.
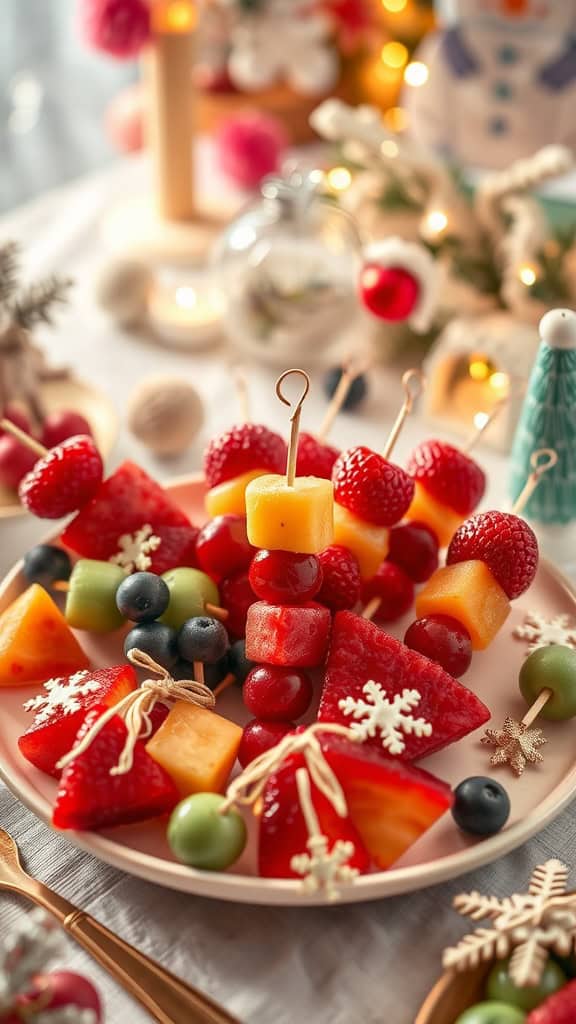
(492, 1013)
(501, 987)
(552, 668)
(190, 591)
(202, 837)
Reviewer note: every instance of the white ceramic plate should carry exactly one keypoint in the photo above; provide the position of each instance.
(442, 853)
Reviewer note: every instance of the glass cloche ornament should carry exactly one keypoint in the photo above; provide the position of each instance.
(288, 266)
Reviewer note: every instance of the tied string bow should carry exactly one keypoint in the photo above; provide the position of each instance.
(135, 709)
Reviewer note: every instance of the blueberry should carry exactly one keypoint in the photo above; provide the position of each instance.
(238, 663)
(155, 639)
(45, 564)
(481, 806)
(358, 388)
(142, 597)
(203, 639)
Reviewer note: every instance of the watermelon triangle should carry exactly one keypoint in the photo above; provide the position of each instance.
(360, 652)
(36, 642)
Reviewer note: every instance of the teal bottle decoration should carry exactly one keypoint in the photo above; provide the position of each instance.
(548, 420)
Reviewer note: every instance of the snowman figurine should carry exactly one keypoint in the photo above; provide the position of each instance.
(501, 80)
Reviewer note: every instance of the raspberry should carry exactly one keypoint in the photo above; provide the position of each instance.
(315, 458)
(395, 590)
(118, 27)
(504, 542)
(66, 478)
(371, 487)
(449, 475)
(341, 578)
(242, 448)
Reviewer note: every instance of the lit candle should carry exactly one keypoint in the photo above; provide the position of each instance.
(186, 310)
(170, 125)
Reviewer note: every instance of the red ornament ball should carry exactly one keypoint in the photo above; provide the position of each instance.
(58, 989)
(249, 146)
(118, 27)
(390, 293)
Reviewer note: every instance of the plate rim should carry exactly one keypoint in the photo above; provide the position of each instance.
(255, 890)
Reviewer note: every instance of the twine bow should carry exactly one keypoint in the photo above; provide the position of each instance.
(135, 709)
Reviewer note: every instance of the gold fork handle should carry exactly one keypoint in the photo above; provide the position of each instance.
(167, 999)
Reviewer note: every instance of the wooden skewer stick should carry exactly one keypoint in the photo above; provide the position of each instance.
(478, 432)
(62, 585)
(226, 683)
(539, 468)
(241, 385)
(25, 439)
(216, 611)
(199, 672)
(294, 420)
(371, 608)
(535, 709)
(413, 383)
(350, 371)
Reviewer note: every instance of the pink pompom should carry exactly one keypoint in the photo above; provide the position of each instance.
(118, 27)
(249, 146)
(124, 119)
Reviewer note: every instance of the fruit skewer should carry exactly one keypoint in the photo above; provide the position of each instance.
(315, 456)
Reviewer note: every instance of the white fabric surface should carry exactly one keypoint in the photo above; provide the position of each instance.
(366, 963)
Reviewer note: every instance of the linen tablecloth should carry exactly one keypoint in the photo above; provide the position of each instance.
(358, 964)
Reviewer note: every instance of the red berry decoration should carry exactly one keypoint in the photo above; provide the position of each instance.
(559, 1008)
(242, 448)
(236, 596)
(18, 417)
(64, 480)
(395, 590)
(249, 146)
(59, 426)
(118, 27)
(15, 462)
(448, 474)
(277, 694)
(341, 584)
(283, 577)
(504, 542)
(414, 547)
(371, 487)
(390, 293)
(222, 546)
(315, 458)
(261, 736)
(56, 990)
(442, 639)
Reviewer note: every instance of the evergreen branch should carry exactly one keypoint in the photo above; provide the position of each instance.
(9, 267)
(35, 304)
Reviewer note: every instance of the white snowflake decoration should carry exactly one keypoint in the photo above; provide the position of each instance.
(135, 549)
(287, 39)
(391, 718)
(526, 925)
(324, 870)
(62, 696)
(543, 632)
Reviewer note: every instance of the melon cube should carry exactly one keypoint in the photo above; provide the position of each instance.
(36, 643)
(197, 748)
(283, 518)
(229, 498)
(440, 518)
(368, 542)
(468, 592)
(295, 635)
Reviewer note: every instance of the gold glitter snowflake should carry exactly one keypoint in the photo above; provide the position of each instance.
(516, 745)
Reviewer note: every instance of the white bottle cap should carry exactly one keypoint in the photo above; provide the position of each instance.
(558, 328)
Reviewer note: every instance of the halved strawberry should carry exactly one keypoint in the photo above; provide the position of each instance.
(391, 804)
(90, 798)
(362, 653)
(559, 1008)
(283, 832)
(60, 710)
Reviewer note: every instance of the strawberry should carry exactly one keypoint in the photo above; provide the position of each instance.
(371, 487)
(391, 804)
(242, 448)
(360, 652)
(123, 504)
(315, 458)
(449, 476)
(90, 798)
(504, 542)
(64, 480)
(61, 709)
(394, 588)
(559, 1008)
(283, 832)
(340, 578)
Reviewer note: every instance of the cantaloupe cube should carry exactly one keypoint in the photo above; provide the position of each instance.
(426, 509)
(35, 641)
(368, 542)
(298, 518)
(197, 748)
(469, 593)
(228, 499)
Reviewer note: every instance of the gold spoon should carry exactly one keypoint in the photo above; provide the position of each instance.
(167, 999)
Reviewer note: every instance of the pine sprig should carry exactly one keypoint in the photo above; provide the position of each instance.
(35, 304)
(9, 267)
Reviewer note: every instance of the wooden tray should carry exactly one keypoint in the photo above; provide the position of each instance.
(451, 995)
